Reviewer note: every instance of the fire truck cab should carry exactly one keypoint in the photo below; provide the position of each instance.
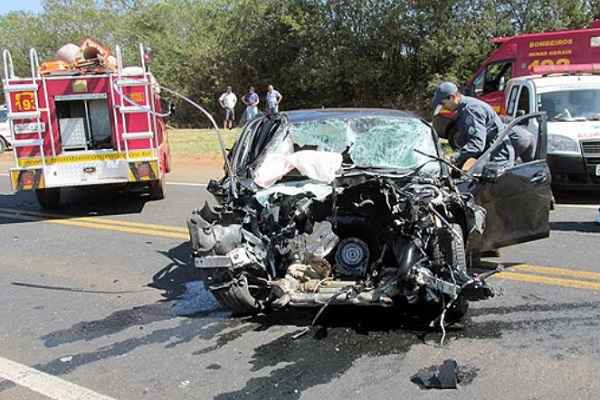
(78, 128)
(517, 56)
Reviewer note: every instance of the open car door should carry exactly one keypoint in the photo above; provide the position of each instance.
(517, 199)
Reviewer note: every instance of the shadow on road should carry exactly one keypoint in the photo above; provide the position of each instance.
(92, 202)
(179, 271)
(588, 197)
(582, 227)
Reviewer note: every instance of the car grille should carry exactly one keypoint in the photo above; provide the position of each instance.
(591, 147)
(592, 160)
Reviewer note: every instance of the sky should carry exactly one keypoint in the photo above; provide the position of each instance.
(20, 5)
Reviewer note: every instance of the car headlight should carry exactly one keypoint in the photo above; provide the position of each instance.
(562, 144)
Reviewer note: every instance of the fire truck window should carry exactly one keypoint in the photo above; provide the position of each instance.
(496, 76)
(100, 124)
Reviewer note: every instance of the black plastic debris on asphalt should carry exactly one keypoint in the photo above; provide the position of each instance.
(445, 376)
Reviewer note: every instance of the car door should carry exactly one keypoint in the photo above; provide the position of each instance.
(517, 201)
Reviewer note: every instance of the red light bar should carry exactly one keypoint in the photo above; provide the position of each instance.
(568, 68)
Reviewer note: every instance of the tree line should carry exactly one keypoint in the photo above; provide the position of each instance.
(318, 53)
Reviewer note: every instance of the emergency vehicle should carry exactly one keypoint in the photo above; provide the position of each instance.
(517, 56)
(78, 127)
(570, 96)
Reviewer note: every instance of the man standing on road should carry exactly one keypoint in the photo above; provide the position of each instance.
(273, 99)
(476, 126)
(227, 102)
(251, 100)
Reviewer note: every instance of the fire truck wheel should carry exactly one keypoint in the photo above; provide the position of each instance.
(157, 189)
(48, 198)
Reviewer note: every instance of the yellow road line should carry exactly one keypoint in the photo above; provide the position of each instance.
(515, 276)
(117, 228)
(97, 220)
(557, 271)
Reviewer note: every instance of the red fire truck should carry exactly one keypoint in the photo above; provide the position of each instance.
(78, 128)
(518, 55)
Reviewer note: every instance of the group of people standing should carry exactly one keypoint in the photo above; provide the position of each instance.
(228, 100)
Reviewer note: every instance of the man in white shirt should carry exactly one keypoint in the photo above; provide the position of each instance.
(227, 102)
(273, 99)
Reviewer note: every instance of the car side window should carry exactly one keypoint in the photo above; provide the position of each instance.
(496, 76)
(512, 98)
(523, 104)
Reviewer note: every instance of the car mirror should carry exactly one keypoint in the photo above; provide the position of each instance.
(491, 172)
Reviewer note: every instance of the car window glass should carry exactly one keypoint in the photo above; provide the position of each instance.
(523, 104)
(571, 105)
(512, 100)
(366, 141)
(496, 76)
(478, 82)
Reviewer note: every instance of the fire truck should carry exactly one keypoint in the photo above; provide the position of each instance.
(84, 127)
(518, 55)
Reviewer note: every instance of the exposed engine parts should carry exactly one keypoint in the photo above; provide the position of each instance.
(373, 241)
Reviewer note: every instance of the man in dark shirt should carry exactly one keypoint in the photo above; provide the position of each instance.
(476, 127)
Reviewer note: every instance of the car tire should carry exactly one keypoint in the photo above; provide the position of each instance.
(48, 198)
(157, 189)
(3, 145)
(458, 259)
(237, 297)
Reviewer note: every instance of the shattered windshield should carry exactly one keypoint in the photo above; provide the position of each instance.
(571, 105)
(385, 142)
(320, 149)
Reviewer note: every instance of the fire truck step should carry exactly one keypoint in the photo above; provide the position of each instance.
(25, 87)
(132, 82)
(134, 109)
(137, 135)
(24, 115)
(27, 142)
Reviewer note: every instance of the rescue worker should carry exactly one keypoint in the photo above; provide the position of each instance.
(471, 126)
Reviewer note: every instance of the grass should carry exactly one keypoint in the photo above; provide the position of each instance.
(199, 142)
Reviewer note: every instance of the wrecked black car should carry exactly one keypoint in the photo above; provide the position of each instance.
(355, 207)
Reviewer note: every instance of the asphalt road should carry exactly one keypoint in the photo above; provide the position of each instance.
(102, 305)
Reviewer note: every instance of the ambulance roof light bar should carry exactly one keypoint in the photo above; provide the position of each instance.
(566, 69)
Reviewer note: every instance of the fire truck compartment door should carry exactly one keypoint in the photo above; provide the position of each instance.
(87, 173)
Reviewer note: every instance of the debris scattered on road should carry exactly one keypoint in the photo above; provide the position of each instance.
(66, 359)
(445, 376)
(184, 383)
(194, 300)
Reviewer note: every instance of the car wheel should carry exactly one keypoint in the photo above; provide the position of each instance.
(3, 145)
(48, 198)
(457, 257)
(157, 189)
(238, 298)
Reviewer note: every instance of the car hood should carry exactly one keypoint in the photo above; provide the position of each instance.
(575, 129)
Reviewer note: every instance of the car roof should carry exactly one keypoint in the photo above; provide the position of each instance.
(327, 113)
(550, 83)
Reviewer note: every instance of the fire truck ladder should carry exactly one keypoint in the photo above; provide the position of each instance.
(123, 82)
(9, 87)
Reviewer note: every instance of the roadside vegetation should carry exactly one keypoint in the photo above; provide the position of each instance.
(201, 143)
(331, 53)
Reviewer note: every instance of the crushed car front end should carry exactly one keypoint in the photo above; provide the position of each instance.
(337, 208)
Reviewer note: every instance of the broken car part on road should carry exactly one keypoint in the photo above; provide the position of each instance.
(337, 207)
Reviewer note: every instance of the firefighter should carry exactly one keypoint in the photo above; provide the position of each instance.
(471, 126)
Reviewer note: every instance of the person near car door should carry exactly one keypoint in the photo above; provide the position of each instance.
(471, 126)
(227, 102)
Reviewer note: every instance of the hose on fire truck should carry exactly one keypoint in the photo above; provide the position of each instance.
(198, 107)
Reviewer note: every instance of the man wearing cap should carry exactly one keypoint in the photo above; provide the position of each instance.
(471, 126)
